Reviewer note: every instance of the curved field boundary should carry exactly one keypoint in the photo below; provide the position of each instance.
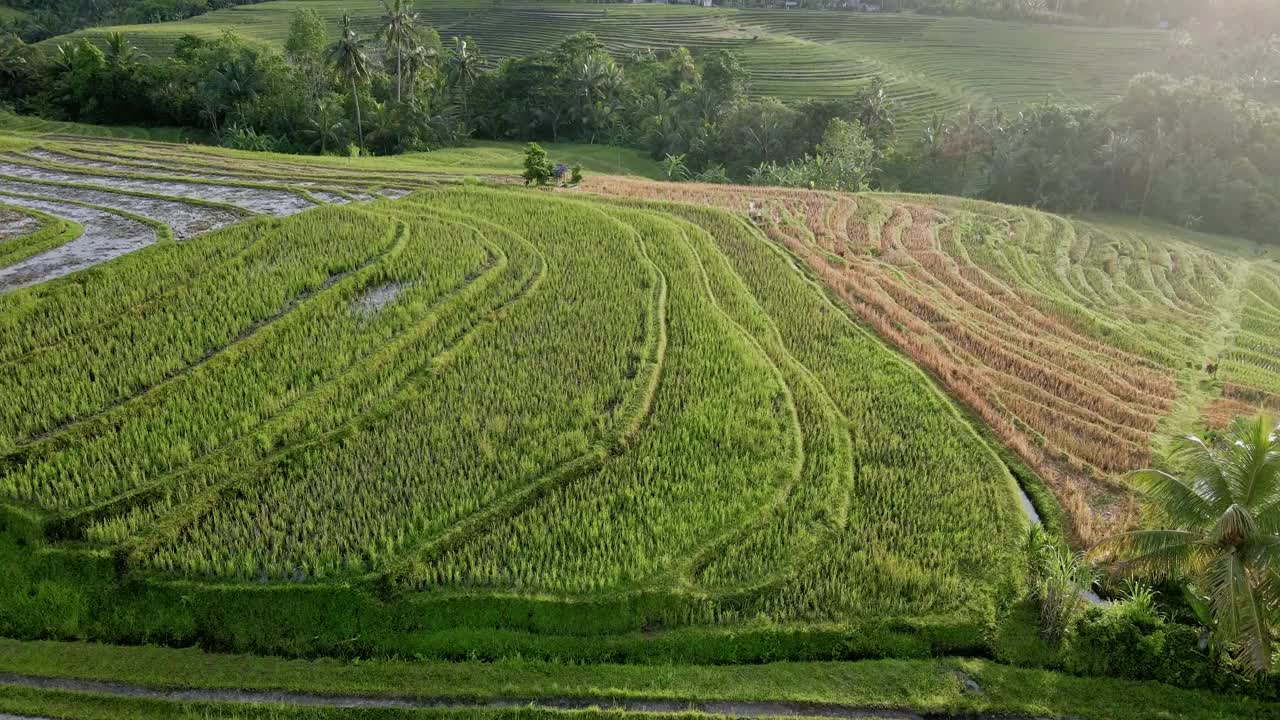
(43, 304)
(140, 358)
(639, 408)
(106, 233)
(218, 168)
(51, 231)
(91, 419)
(431, 341)
(163, 516)
(776, 581)
(234, 162)
(253, 198)
(186, 217)
(266, 183)
(289, 419)
(697, 323)
(1002, 306)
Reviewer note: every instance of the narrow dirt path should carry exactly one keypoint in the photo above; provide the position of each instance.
(742, 709)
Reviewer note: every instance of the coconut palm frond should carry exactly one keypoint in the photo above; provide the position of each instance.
(1183, 504)
(1223, 531)
(1157, 554)
(1240, 610)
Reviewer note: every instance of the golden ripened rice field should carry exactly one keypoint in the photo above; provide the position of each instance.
(1068, 338)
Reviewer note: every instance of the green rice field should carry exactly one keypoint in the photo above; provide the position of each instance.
(326, 406)
(356, 377)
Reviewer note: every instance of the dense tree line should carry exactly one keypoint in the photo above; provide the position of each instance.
(47, 18)
(403, 90)
(1196, 151)
(1192, 152)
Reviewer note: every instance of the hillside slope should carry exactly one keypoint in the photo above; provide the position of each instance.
(285, 384)
(1080, 342)
(497, 399)
(931, 64)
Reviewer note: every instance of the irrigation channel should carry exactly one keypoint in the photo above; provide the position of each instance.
(662, 706)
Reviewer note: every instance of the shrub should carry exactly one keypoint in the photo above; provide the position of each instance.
(1130, 640)
(537, 168)
(1058, 577)
(246, 138)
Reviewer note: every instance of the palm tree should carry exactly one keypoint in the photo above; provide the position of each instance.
(122, 54)
(1218, 527)
(684, 67)
(876, 113)
(463, 67)
(325, 126)
(67, 56)
(398, 31)
(1119, 155)
(13, 60)
(417, 60)
(122, 60)
(595, 81)
(230, 82)
(937, 135)
(1155, 146)
(349, 56)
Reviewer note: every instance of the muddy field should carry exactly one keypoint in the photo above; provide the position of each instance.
(278, 203)
(65, 182)
(187, 220)
(106, 236)
(13, 225)
(193, 172)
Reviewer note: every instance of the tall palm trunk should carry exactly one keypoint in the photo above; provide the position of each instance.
(399, 74)
(359, 123)
(466, 115)
(1146, 192)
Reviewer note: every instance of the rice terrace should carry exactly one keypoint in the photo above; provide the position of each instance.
(527, 360)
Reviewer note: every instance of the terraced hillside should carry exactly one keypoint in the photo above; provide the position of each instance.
(1079, 343)
(1250, 364)
(930, 64)
(636, 405)
(480, 398)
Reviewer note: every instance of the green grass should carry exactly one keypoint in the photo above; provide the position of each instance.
(502, 158)
(9, 13)
(26, 125)
(478, 158)
(931, 64)
(926, 686)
